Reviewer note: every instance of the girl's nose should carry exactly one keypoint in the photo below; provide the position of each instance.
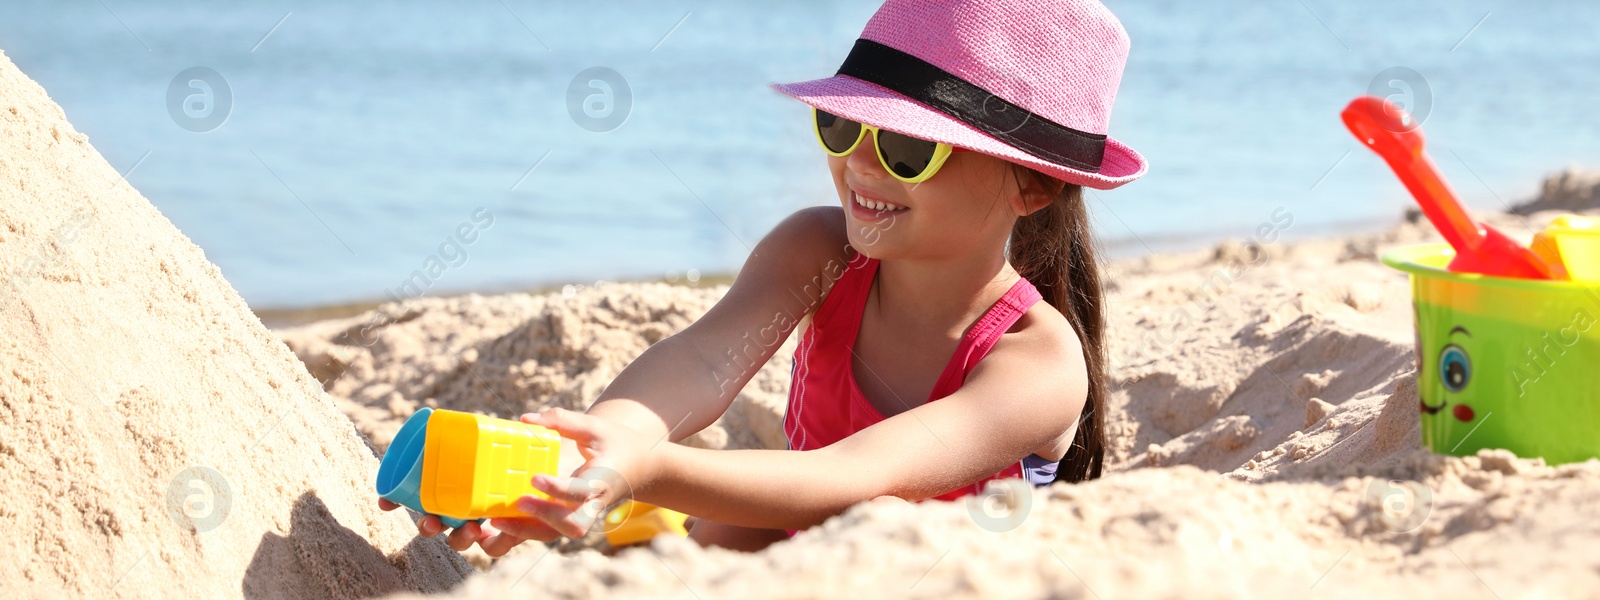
(864, 159)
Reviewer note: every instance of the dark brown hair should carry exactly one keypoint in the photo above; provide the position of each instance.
(1054, 249)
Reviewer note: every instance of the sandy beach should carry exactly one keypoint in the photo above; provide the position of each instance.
(158, 440)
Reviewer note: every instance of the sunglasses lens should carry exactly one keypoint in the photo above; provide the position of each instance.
(837, 133)
(907, 156)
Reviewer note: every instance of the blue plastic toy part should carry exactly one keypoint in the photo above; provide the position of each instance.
(400, 471)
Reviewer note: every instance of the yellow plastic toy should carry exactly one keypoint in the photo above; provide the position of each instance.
(476, 466)
(1572, 244)
(633, 522)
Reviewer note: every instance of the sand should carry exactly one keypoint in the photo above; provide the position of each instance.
(1495, 527)
(155, 439)
(1263, 443)
(1266, 447)
(1263, 431)
(510, 354)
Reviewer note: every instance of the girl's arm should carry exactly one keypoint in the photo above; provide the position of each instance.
(1025, 394)
(1018, 398)
(682, 384)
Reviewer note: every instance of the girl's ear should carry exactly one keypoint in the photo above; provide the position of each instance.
(1034, 191)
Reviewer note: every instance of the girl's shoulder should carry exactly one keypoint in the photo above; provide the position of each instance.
(786, 276)
(814, 239)
(792, 268)
(1042, 332)
(823, 229)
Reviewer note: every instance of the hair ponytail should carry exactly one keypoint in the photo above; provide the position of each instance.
(1054, 249)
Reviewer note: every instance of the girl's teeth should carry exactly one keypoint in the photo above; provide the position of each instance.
(875, 205)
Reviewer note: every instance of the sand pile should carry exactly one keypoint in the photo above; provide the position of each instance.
(1572, 190)
(510, 354)
(1247, 373)
(155, 439)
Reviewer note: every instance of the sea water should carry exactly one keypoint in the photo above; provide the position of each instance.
(325, 152)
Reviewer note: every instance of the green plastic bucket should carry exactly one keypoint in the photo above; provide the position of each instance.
(1504, 363)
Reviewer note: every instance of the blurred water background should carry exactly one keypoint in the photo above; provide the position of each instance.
(334, 147)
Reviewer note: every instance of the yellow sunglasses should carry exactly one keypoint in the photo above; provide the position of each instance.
(908, 159)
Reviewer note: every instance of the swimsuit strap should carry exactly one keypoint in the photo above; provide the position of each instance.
(984, 334)
(852, 289)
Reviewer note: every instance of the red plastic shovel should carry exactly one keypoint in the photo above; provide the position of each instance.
(1395, 136)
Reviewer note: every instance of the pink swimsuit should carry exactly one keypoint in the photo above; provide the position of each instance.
(826, 405)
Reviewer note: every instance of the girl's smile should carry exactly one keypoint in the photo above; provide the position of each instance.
(870, 208)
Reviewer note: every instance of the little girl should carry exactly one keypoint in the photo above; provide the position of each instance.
(959, 134)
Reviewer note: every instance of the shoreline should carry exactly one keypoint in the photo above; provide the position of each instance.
(279, 318)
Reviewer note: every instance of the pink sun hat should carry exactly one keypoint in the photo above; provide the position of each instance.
(1029, 81)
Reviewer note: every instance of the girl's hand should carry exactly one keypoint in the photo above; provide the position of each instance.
(495, 543)
(618, 461)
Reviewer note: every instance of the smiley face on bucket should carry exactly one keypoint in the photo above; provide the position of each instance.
(1512, 379)
(1458, 385)
(1453, 369)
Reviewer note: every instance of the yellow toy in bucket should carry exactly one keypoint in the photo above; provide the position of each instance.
(1573, 243)
(477, 466)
